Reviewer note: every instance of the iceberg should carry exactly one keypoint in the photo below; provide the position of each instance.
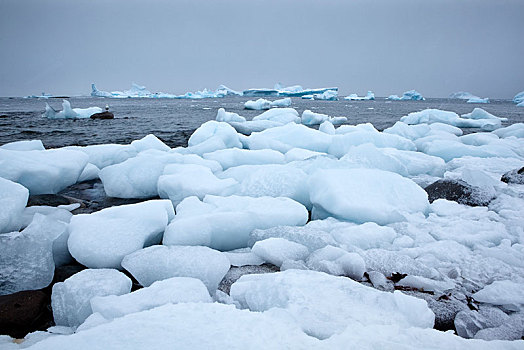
(328, 95)
(298, 91)
(476, 119)
(354, 97)
(462, 95)
(478, 100)
(312, 118)
(97, 93)
(412, 95)
(70, 113)
(519, 98)
(260, 92)
(258, 104)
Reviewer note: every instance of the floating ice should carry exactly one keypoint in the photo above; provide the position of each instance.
(26, 258)
(172, 290)
(106, 154)
(311, 118)
(71, 299)
(362, 195)
(260, 92)
(13, 199)
(224, 223)
(102, 239)
(519, 98)
(97, 93)
(328, 95)
(476, 99)
(408, 95)
(283, 102)
(280, 115)
(462, 95)
(298, 91)
(278, 250)
(70, 113)
(42, 172)
(162, 262)
(479, 113)
(354, 97)
(337, 304)
(215, 131)
(223, 116)
(258, 104)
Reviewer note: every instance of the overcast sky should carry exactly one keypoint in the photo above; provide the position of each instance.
(434, 46)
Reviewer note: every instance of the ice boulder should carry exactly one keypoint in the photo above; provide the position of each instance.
(26, 258)
(149, 141)
(106, 154)
(393, 98)
(342, 144)
(354, 97)
(225, 223)
(184, 180)
(70, 113)
(103, 238)
(42, 172)
(71, 299)
(325, 305)
(161, 262)
(362, 195)
(515, 130)
(213, 131)
(172, 290)
(505, 293)
(273, 180)
(25, 145)
(223, 116)
(284, 102)
(312, 118)
(337, 262)
(234, 157)
(279, 115)
(258, 104)
(278, 250)
(13, 199)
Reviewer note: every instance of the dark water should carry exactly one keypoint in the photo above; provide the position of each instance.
(174, 121)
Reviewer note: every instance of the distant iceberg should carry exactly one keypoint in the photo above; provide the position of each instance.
(298, 91)
(70, 113)
(462, 95)
(44, 95)
(412, 95)
(519, 98)
(260, 92)
(97, 93)
(521, 104)
(354, 97)
(138, 91)
(476, 99)
(328, 95)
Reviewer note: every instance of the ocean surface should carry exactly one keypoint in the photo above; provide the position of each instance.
(173, 120)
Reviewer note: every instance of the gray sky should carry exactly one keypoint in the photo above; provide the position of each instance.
(434, 46)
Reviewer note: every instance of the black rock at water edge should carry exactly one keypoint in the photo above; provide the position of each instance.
(514, 177)
(103, 115)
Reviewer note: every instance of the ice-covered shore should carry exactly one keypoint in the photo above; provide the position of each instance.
(374, 239)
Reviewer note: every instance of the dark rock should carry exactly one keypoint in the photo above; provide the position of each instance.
(514, 177)
(235, 273)
(64, 272)
(53, 200)
(458, 191)
(4, 116)
(24, 312)
(103, 115)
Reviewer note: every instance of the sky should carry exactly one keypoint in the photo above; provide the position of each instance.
(389, 46)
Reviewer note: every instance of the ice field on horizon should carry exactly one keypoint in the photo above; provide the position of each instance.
(366, 253)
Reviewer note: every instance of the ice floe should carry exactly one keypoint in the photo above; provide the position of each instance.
(70, 113)
(354, 97)
(407, 96)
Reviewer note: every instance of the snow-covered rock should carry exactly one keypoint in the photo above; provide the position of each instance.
(161, 262)
(103, 238)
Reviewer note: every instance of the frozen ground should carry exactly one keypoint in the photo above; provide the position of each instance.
(284, 237)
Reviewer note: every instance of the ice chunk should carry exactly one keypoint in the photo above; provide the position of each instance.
(260, 92)
(26, 145)
(102, 239)
(438, 116)
(393, 98)
(224, 223)
(106, 154)
(298, 91)
(71, 299)
(243, 257)
(284, 102)
(516, 130)
(346, 129)
(252, 126)
(412, 95)
(341, 144)
(42, 172)
(426, 284)
(223, 116)
(322, 312)
(388, 262)
(272, 180)
(338, 262)
(362, 195)
(462, 95)
(280, 115)
(519, 97)
(259, 104)
(277, 250)
(479, 113)
(70, 113)
(312, 118)
(327, 127)
(505, 293)
(97, 93)
(184, 180)
(328, 95)
(149, 141)
(26, 258)
(13, 199)
(162, 262)
(449, 149)
(215, 130)
(173, 290)
(234, 157)
(476, 99)
(90, 172)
